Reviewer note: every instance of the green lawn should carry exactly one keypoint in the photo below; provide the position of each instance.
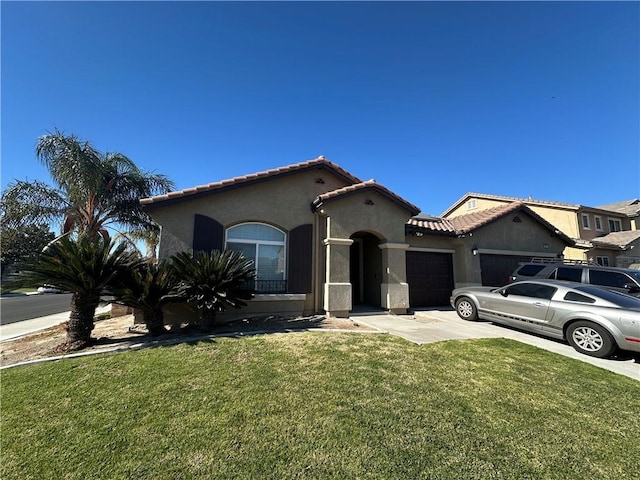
(320, 405)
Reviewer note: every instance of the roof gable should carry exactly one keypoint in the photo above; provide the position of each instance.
(361, 187)
(471, 222)
(526, 201)
(236, 182)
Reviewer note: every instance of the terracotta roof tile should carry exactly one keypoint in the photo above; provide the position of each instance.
(464, 224)
(320, 162)
(368, 185)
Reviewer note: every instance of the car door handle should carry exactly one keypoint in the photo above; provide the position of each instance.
(538, 304)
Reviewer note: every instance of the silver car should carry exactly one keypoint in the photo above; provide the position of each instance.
(593, 320)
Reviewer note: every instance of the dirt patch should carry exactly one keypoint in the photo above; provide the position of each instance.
(121, 332)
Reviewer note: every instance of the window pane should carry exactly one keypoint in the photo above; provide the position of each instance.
(576, 297)
(254, 231)
(247, 249)
(608, 279)
(270, 262)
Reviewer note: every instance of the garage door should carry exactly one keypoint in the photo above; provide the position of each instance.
(496, 269)
(430, 278)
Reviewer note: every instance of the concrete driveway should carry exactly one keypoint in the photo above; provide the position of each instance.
(435, 325)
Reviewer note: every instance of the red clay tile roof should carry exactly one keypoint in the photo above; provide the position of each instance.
(358, 187)
(187, 193)
(464, 224)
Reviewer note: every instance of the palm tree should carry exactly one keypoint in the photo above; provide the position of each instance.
(87, 267)
(94, 190)
(151, 238)
(148, 288)
(214, 281)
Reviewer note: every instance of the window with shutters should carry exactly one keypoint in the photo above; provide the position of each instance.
(266, 246)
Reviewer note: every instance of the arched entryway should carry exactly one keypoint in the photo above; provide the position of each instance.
(365, 269)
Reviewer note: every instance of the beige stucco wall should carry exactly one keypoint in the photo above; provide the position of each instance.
(283, 202)
(371, 212)
(481, 204)
(564, 219)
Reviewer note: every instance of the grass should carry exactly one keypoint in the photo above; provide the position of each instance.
(319, 405)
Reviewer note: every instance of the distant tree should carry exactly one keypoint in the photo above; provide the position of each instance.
(93, 191)
(22, 243)
(88, 267)
(148, 288)
(151, 238)
(213, 281)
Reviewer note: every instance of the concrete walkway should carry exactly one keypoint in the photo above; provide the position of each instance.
(430, 326)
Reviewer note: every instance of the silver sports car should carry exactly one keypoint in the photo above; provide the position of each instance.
(594, 320)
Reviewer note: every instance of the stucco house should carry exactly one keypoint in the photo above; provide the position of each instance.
(586, 226)
(324, 240)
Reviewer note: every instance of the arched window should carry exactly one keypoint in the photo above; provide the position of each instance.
(265, 245)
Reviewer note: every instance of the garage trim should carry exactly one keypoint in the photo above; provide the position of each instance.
(492, 251)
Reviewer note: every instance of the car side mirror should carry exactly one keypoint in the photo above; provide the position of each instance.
(503, 292)
(632, 287)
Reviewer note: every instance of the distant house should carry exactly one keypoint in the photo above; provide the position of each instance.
(586, 226)
(323, 240)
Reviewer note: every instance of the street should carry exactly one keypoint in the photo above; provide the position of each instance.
(25, 307)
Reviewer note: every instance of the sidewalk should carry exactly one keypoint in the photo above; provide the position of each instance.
(438, 325)
(25, 327)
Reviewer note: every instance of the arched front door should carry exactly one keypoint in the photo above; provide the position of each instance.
(365, 269)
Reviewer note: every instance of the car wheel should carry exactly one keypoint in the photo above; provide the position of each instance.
(591, 339)
(466, 309)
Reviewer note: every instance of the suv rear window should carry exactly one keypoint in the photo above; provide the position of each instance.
(567, 274)
(529, 270)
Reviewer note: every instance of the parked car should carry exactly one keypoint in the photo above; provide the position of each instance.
(593, 320)
(620, 279)
(49, 289)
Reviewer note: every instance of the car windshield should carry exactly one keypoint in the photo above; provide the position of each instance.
(620, 299)
(635, 275)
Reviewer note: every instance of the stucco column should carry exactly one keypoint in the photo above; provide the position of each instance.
(394, 290)
(337, 285)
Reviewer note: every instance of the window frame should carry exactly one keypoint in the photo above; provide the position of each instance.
(256, 243)
(586, 222)
(603, 260)
(615, 221)
(597, 220)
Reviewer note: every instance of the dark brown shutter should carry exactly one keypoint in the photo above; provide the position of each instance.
(208, 234)
(300, 273)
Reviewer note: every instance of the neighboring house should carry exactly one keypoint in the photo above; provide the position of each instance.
(581, 223)
(324, 241)
(631, 211)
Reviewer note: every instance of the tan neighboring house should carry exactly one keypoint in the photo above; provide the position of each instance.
(586, 226)
(324, 241)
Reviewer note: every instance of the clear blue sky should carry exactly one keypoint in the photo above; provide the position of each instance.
(432, 99)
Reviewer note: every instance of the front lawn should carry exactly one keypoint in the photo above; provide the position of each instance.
(320, 405)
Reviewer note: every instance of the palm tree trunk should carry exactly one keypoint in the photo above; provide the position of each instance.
(80, 324)
(207, 319)
(154, 320)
